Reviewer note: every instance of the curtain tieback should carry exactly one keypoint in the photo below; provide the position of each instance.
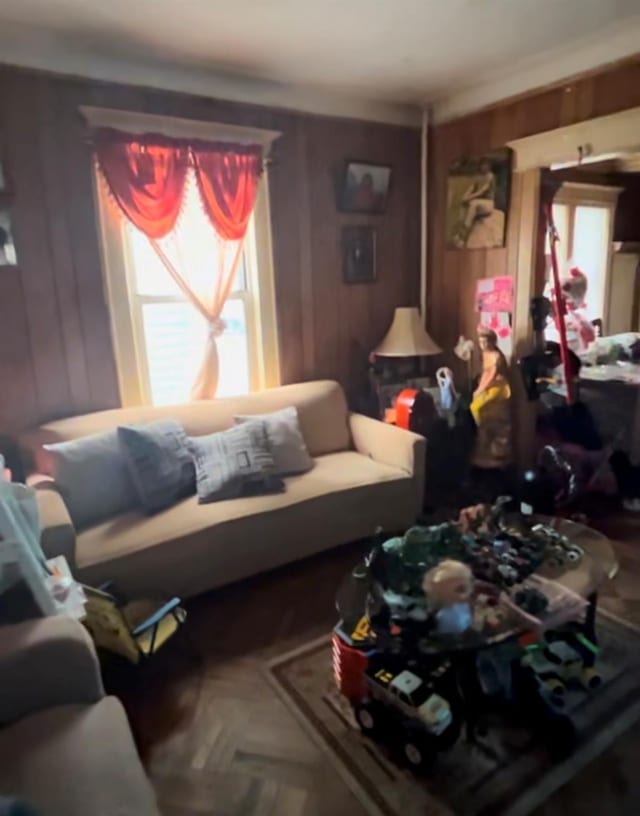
(217, 327)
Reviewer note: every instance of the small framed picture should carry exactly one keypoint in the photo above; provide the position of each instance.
(359, 254)
(365, 188)
(7, 246)
(3, 180)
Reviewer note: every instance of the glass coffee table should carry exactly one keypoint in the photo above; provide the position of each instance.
(598, 564)
(583, 577)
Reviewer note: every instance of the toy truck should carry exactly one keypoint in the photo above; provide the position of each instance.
(560, 664)
(395, 704)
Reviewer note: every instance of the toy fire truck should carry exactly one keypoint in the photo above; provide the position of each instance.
(405, 707)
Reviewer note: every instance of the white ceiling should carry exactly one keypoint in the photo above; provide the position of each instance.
(459, 54)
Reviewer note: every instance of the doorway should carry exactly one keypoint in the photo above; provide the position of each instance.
(596, 210)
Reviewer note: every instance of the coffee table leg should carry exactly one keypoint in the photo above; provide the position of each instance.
(466, 671)
(589, 625)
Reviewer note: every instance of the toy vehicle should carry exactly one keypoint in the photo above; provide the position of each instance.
(395, 704)
(558, 665)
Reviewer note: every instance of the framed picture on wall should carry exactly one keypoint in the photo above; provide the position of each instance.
(7, 246)
(359, 254)
(478, 192)
(365, 188)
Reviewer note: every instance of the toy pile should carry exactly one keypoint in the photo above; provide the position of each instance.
(472, 577)
(437, 597)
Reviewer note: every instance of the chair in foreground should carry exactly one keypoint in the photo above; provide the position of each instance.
(135, 630)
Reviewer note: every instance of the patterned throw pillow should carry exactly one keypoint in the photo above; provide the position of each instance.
(159, 462)
(289, 451)
(91, 475)
(234, 463)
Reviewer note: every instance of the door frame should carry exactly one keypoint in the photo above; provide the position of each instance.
(583, 142)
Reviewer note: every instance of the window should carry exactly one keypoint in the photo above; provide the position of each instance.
(583, 215)
(159, 336)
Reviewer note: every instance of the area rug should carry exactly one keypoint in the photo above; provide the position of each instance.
(508, 772)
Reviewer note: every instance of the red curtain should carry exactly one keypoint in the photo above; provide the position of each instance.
(228, 181)
(145, 176)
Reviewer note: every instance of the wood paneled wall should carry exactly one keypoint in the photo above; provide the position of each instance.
(56, 354)
(453, 273)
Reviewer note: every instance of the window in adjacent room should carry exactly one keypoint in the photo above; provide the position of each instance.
(583, 215)
(159, 337)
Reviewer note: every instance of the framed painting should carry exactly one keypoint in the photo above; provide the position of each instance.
(359, 254)
(7, 246)
(365, 188)
(478, 194)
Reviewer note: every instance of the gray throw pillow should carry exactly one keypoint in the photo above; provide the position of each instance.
(159, 462)
(9, 806)
(234, 463)
(290, 453)
(91, 474)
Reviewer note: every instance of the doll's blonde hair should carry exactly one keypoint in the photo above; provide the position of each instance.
(446, 570)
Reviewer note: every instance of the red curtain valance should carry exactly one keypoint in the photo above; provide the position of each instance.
(146, 180)
(146, 176)
(228, 183)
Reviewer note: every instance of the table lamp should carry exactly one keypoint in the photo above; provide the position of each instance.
(405, 342)
(406, 336)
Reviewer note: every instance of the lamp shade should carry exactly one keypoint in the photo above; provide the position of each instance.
(406, 336)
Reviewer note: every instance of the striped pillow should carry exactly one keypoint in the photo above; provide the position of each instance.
(234, 463)
(159, 462)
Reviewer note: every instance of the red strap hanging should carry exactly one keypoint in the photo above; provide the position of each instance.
(560, 306)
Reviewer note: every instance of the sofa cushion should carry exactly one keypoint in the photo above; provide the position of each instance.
(159, 462)
(233, 463)
(290, 454)
(76, 760)
(91, 474)
(322, 411)
(344, 498)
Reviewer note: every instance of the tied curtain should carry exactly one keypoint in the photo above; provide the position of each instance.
(146, 177)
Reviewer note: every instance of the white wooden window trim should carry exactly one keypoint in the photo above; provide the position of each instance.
(125, 304)
(599, 138)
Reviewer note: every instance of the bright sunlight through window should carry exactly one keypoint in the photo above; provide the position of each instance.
(160, 337)
(169, 329)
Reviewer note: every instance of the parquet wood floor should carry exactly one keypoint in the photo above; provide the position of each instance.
(217, 741)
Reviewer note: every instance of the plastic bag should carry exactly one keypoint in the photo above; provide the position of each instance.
(19, 525)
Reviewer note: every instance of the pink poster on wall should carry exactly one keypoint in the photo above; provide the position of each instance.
(495, 302)
(495, 294)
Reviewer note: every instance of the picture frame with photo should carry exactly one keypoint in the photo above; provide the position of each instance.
(7, 246)
(478, 196)
(359, 254)
(365, 188)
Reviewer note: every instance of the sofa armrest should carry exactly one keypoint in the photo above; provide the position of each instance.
(391, 446)
(58, 535)
(44, 663)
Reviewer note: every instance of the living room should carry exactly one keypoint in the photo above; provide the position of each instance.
(275, 243)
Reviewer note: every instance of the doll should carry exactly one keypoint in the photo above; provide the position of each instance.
(448, 588)
(494, 382)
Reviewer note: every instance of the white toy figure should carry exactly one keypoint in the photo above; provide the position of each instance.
(448, 394)
(448, 587)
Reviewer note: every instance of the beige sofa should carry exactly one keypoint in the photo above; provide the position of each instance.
(366, 475)
(65, 748)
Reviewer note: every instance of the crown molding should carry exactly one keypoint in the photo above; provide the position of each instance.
(32, 48)
(551, 68)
